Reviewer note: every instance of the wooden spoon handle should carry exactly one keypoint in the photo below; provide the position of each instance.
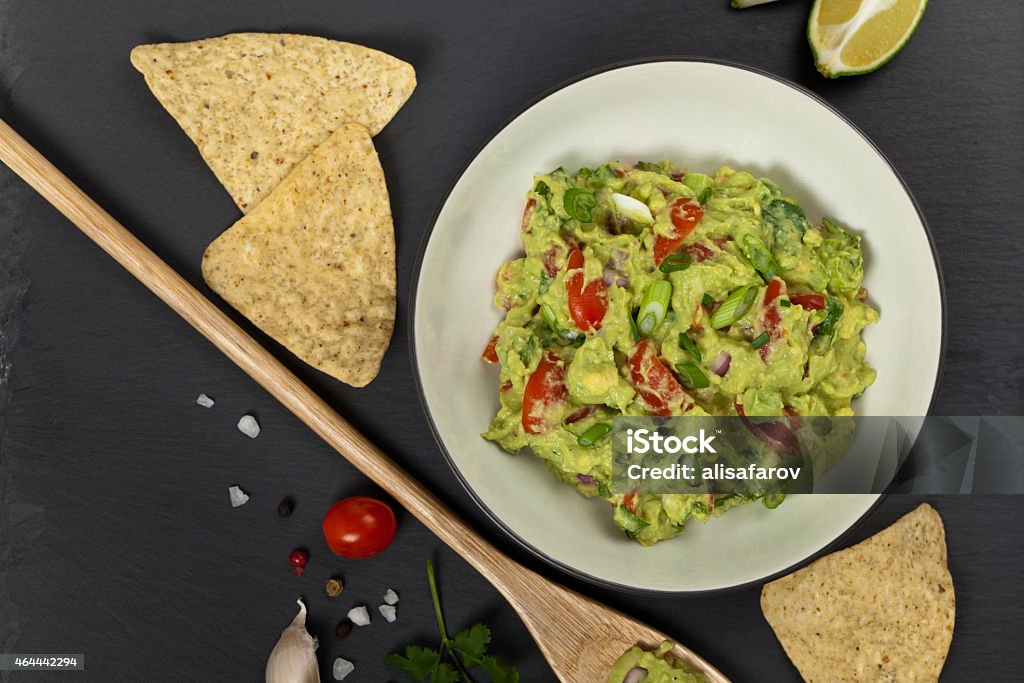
(249, 355)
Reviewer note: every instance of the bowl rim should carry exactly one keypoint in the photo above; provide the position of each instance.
(418, 380)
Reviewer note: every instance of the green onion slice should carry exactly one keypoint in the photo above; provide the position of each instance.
(707, 300)
(734, 306)
(594, 434)
(632, 328)
(701, 184)
(761, 340)
(785, 303)
(653, 307)
(686, 344)
(548, 314)
(675, 262)
(757, 253)
(692, 376)
(773, 500)
(578, 204)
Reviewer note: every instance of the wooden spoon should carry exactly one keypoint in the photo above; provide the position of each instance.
(580, 638)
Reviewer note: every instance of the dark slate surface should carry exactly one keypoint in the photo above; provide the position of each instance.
(117, 539)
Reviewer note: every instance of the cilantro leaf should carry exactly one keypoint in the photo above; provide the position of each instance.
(499, 671)
(444, 673)
(472, 642)
(466, 650)
(418, 662)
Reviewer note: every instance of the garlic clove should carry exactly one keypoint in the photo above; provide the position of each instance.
(293, 659)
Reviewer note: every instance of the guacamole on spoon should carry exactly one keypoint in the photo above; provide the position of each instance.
(647, 290)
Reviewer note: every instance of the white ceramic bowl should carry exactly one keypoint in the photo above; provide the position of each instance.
(701, 115)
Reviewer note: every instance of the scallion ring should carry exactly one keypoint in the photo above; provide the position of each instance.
(761, 340)
(686, 344)
(594, 434)
(734, 306)
(675, 262)
(548, 314)
(692, 376)
(653, 307)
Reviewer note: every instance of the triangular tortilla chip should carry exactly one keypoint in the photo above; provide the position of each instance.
(256, 104)
(882, 610)
(313, 265)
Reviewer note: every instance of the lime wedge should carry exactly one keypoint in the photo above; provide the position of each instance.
(850, 37)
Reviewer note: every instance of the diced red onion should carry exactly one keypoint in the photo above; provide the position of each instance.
(585, 479)
(635, 675)
(720, 365)
(614, 277)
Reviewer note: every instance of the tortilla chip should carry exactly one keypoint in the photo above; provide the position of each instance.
(256, 104)
(882, 610)
(313, 265)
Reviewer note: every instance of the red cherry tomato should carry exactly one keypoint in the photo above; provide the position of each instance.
(359, 527)
(772, 317)
(545, 387)
(658, 387)
(587, 305)
(814, 302)
(698, 252)
(490, 354)
(685, 215)
(528, 214)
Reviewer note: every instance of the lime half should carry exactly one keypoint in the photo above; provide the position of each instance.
(850, 37)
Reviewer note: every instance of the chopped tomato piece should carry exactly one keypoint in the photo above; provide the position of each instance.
(772, 291)
(698, 252)
(551, 261)
(629, 502)
(528, 214)
(581, 414)
(506, 386)
(815, 302)
(545, 387)
(655, 383)
(772, 317)
(587, 304)
(490, 354)
(685, 214)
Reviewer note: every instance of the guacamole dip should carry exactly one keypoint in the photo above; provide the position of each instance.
(640, 666)
(646, 290)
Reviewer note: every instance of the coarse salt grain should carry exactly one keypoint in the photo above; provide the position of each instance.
(249, 426)
(342, 668)
(389, 612)
(360, 616)
(391, 597)
(237, 496)
(205, 401)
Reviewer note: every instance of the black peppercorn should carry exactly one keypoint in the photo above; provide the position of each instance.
(343, 628)
(286, 507)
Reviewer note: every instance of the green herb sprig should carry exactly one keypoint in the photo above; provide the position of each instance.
(451, 661)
